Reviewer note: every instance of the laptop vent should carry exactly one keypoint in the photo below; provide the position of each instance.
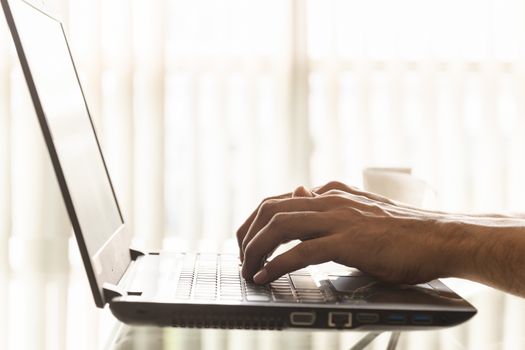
(228, 321)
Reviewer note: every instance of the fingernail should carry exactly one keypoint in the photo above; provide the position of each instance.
(260, 277)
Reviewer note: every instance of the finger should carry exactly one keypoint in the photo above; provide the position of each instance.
(269, 208)
(336, 185)
(302, 191)
(339, 188)
(315, 251)
(241, 232)
(332, 185)
(284, 227)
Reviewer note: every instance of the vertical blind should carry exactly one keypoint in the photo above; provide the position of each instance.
(205, 107)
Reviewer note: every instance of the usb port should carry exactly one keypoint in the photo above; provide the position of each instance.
(367, 317)
(396, 318)
(340, 319)
(422, 319)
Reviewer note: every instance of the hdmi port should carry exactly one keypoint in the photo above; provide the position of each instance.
(367, 317)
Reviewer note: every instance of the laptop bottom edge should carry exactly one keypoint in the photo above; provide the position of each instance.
(262, 316)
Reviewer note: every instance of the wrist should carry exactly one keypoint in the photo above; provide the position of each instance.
(482, 251)
(458, 249)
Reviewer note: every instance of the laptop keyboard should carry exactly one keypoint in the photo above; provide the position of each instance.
(212, 277)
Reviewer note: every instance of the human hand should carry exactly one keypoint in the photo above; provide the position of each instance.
(339, 223)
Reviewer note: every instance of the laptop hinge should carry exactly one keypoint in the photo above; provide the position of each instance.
(135, 253)
(111, 291)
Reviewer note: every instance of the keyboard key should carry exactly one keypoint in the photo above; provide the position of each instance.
(290, 298)
(308, 292)
(284, 297)
(231, 285)
(230, 280)
(312, 301)
(257, 297)
(207, 295)
(280, 286)
(231, 298)
(231, 290)
(256, 291)
(212, 277)
(303, 282)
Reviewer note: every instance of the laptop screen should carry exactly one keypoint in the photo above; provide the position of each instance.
(69, 123)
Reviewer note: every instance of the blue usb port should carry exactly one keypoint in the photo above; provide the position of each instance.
(396, 318)
(422, 319)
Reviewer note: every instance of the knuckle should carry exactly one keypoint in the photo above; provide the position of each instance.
(381, 210)
(336, 198)
(334, 184)
(277, 219)
(265, 200)
(267, 206)
(263, 204)
(376, 207)
(334, 192)
(299, 188)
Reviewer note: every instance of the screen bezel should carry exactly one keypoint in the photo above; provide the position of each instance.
(110, 261)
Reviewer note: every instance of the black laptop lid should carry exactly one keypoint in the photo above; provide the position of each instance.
(72, 142)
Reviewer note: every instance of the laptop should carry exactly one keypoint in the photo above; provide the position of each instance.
(187, 290)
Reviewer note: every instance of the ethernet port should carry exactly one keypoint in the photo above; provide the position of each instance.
(339, 319)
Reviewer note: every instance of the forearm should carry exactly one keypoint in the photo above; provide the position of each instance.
(488, 251)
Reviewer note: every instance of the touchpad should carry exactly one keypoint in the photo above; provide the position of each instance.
(351, 283)
(367, 289)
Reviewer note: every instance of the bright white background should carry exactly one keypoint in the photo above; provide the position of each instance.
(205, 107)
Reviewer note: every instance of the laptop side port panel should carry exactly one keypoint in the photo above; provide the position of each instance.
(340, 319)
(302, 318)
